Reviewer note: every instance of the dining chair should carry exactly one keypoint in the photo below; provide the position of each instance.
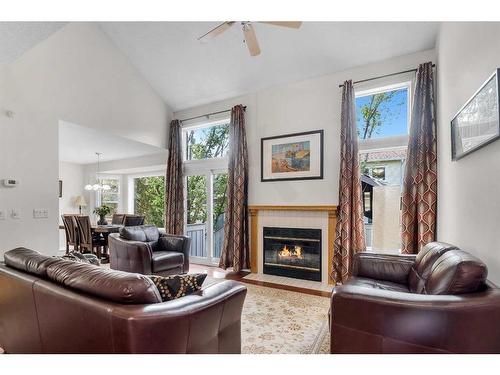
(133, 220)
(71, 231)
(117, 219)
(88, 240)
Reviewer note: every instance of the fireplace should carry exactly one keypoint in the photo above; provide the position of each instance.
(292, 252)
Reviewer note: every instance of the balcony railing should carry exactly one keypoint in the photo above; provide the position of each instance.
(198, 233)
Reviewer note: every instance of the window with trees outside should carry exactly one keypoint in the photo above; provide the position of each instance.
(382, 116)
(111, 197)
(149, 199)
(206, 148)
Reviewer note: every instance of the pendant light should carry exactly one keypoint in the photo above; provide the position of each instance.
(97, 186)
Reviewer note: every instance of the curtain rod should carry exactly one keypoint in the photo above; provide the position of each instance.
(208, 114)
(386, 75)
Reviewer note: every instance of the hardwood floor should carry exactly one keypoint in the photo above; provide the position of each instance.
(219, 273)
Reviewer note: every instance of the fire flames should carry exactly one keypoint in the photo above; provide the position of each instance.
(295, 252)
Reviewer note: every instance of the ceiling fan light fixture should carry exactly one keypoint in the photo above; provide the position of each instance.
(250, 39)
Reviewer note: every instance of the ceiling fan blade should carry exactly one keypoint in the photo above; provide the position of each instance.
(217, 30)
(251, 40)
(290, 24)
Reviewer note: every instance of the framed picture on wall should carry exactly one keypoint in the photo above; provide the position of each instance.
(477, 123)
(297, 156)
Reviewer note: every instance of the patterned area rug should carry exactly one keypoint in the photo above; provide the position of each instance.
(278, 321)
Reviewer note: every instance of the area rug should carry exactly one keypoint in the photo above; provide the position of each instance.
(276, 321)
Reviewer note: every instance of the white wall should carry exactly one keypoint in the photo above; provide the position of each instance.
(468, 203)
(124, 168)
(71, 175)
(76, 75)
(296, 107)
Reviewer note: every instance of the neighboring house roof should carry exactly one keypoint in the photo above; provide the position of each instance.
(384, 155)
(371, 181)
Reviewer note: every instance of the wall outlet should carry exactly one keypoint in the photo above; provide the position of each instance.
(3, 214)
(40, 213)
(15, 213)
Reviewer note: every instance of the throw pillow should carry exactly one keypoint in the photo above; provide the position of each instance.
(172, 287)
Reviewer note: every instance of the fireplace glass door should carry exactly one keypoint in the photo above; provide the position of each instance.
(293, 252)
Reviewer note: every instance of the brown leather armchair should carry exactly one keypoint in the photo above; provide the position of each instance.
(49, 305)
(436, 302)
(144, 249)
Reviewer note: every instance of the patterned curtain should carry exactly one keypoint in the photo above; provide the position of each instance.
(350, 229)
(235, 250)
(174, 183)
(419, 198)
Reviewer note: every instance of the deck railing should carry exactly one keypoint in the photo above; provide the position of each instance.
(198, 233)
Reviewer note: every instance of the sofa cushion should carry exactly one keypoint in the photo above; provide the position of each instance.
(172, 287)
(376, 284)
(456, 272)
(116, 286)
(143, 233)
(423, 264)
(166, 260)
(28, 260)
(151, 232)
(171, 243)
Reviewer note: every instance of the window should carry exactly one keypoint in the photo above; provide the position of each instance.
(206, 142)
(382, 119)
(111, 197)
(149, 199)
(383, 112)
(205, 167)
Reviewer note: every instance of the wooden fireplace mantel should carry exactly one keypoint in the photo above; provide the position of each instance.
(254, 228)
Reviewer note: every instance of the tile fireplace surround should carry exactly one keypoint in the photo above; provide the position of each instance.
(316, 217)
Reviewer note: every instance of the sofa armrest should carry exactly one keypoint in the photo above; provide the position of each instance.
(366, 320)
(208, 321)
(130, 256)
(181, 244)
(394, 268)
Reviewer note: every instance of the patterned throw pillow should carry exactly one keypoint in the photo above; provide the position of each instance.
(172, 287)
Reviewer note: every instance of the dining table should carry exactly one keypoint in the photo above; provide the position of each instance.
(105, 230)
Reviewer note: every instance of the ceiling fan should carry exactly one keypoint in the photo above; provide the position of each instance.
(248, 32)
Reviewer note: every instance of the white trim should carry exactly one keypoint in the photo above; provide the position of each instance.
(200, 125)
(380, 89)
(205, 123)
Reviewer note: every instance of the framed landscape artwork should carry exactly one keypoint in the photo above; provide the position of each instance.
(477, 122)
(296, 156)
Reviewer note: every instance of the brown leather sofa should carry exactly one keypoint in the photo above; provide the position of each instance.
(144, 249)
(48, 305)
(436, 302)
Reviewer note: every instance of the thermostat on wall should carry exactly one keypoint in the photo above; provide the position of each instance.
(10, 182)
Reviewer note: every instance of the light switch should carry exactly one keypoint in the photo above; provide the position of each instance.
(40, 213)
(15, 213)
(3, 214)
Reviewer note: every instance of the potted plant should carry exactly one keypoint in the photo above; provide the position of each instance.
(102, 212)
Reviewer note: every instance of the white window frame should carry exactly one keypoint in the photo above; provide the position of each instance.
(386, 143)
(98, 199)
(131, 186)
(196, 126)
(382, 141)
(208, 168)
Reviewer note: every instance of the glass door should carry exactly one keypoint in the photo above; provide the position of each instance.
(206, 201)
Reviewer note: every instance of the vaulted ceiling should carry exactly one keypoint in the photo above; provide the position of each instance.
(187, 72)
(18, 37)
